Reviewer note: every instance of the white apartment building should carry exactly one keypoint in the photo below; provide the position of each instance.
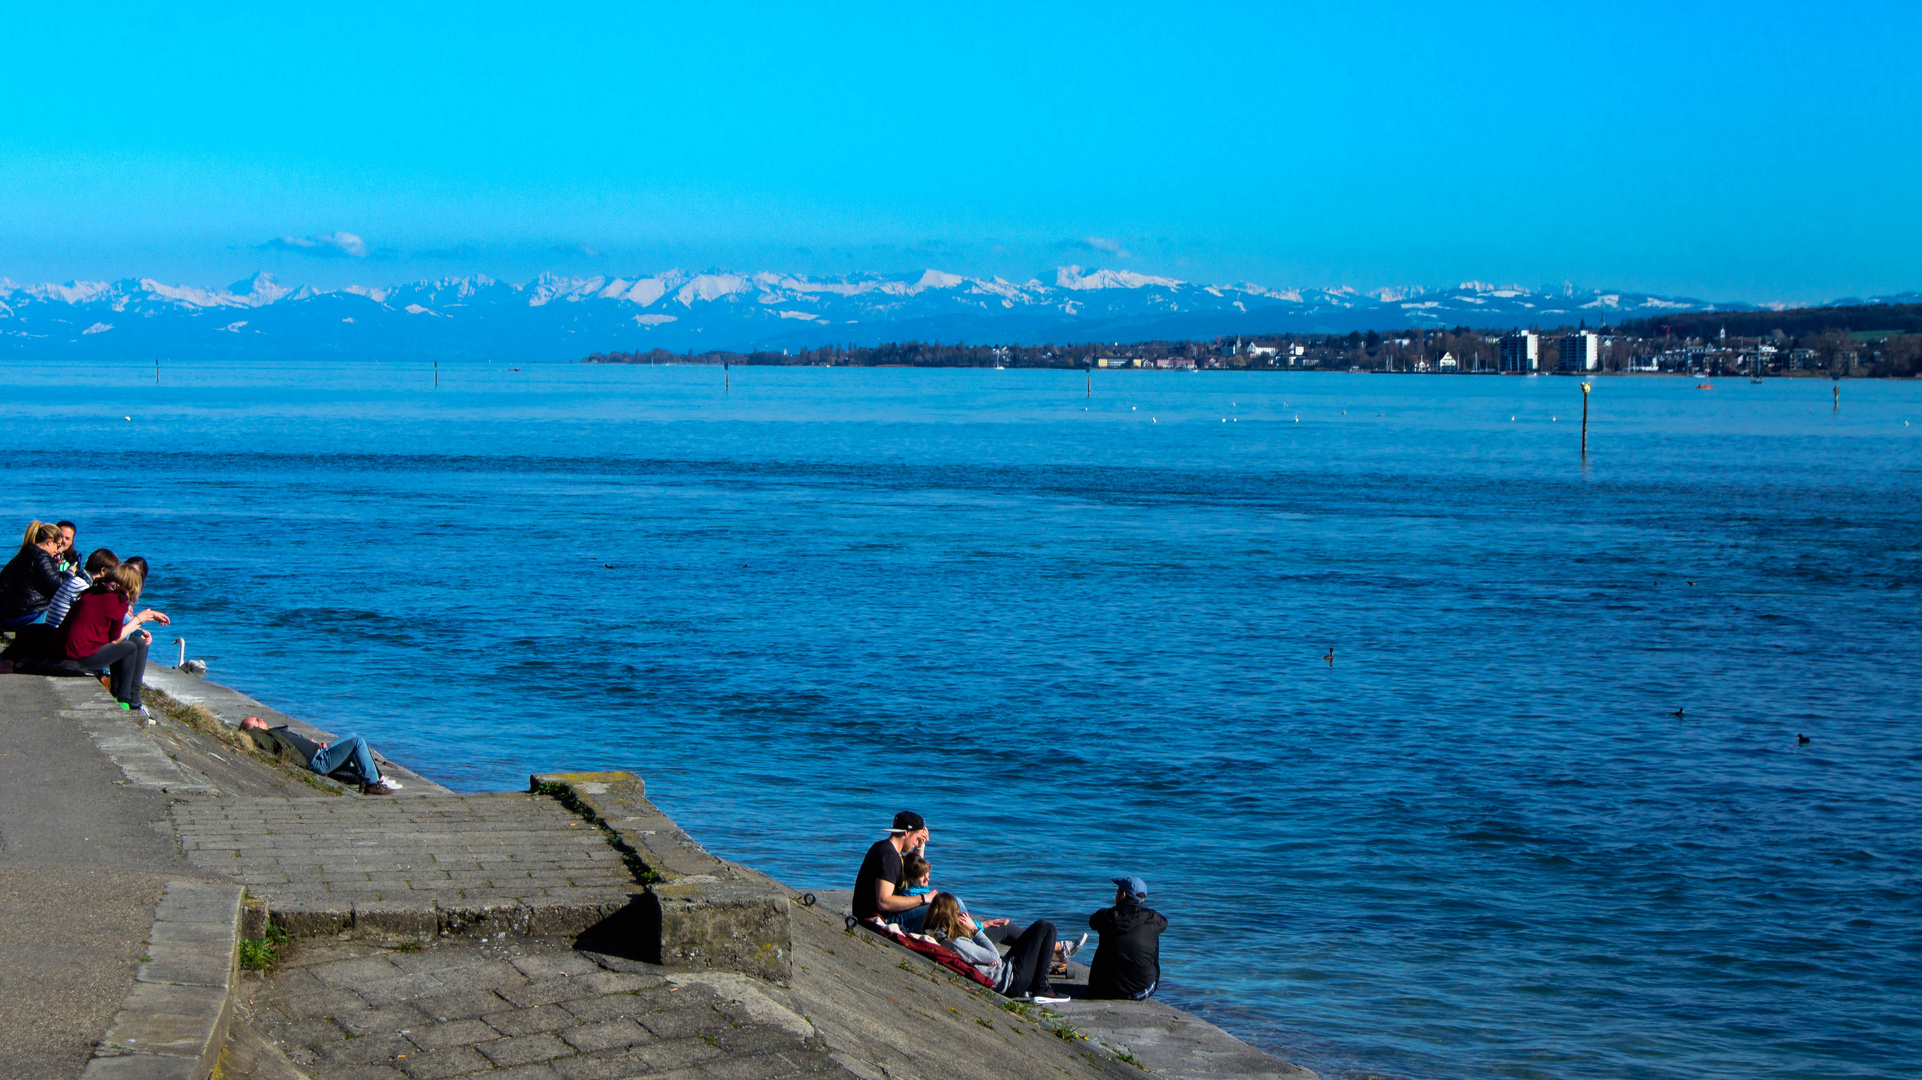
(1521, 351)
(1580, 351)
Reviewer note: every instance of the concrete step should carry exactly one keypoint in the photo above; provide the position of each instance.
(422, 867)
(174, 1021)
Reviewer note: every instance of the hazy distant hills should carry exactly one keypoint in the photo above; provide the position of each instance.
(553, 318)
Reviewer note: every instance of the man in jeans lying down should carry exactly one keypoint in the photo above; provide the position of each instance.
(350, 754)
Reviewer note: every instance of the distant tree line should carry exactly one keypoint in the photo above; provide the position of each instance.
(1792, 322)
(1812, 341)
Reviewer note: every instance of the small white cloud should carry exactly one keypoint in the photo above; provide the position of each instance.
(1101, 244)
(335, 245)
(98, 328)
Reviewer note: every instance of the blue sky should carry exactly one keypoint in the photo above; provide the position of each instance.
(1732, 151)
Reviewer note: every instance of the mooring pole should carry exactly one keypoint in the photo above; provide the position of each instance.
(727, 379)
(1090, 372)
(1585, 389)
(436, 373)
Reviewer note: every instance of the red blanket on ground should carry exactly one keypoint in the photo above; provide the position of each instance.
(947, 958)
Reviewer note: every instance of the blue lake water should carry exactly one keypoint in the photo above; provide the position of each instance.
(1084, 635)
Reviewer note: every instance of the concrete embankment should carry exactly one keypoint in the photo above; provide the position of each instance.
(570, 931)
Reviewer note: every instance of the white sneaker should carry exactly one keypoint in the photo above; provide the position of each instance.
(385, 785)
(1069, 948)
(1048, 999)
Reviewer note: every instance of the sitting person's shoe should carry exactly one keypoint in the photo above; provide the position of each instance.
(1048, 997)
(1069, 948)
(382, 786)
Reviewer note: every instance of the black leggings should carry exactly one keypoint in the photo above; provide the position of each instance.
(1005, 934)
(127, 659)
(1031, 953)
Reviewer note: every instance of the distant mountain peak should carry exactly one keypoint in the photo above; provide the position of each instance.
(1071, 277)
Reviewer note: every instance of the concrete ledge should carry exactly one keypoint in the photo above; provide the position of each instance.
(123, 737)
(174, 1022)
(699, 912)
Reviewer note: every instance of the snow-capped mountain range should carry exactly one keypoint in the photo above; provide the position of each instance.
(555, 318)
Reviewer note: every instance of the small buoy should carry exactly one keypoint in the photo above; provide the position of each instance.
(126, 418)
(1131, 408)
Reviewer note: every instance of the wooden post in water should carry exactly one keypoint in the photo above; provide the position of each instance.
(727, 379)
(156, 369)
(1090, 371)
(1838, 400)
(437, 373)
(1585, 389)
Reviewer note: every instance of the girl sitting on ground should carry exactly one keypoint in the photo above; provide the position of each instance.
(918, 872)
(101, 635)
(1025, 971)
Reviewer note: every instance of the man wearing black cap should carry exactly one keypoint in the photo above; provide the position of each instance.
(1128, 962)
(879, 889)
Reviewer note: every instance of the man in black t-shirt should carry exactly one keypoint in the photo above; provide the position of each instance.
(879, 888)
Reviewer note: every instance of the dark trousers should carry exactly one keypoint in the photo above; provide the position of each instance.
(1031, 953)
(127, 660)
(1004, 934)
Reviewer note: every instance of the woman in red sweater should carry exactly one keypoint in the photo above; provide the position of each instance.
(100, 635)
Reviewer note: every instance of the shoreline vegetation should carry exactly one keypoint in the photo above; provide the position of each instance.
(1865, 341)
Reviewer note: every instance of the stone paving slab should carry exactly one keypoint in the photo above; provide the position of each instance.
(521, 1009)
(418, 866)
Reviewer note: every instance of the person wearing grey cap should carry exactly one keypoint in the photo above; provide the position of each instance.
(1127, 963)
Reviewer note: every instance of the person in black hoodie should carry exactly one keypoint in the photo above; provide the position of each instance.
(30, 579)
(1128, 962)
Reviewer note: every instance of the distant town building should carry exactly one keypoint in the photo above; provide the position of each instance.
(1521, 351)
(1448, 362)
(1262, 350)
(1580, 351)
(1802, 359)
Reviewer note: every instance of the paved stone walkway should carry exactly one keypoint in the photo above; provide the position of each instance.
(85, 853)
(529, 1010)
(417, 866)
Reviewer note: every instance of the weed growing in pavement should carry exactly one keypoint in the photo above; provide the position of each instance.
(262, 953)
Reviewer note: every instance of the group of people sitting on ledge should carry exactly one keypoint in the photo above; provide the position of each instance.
(893, 888)
(70, 616)
(75, 617)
